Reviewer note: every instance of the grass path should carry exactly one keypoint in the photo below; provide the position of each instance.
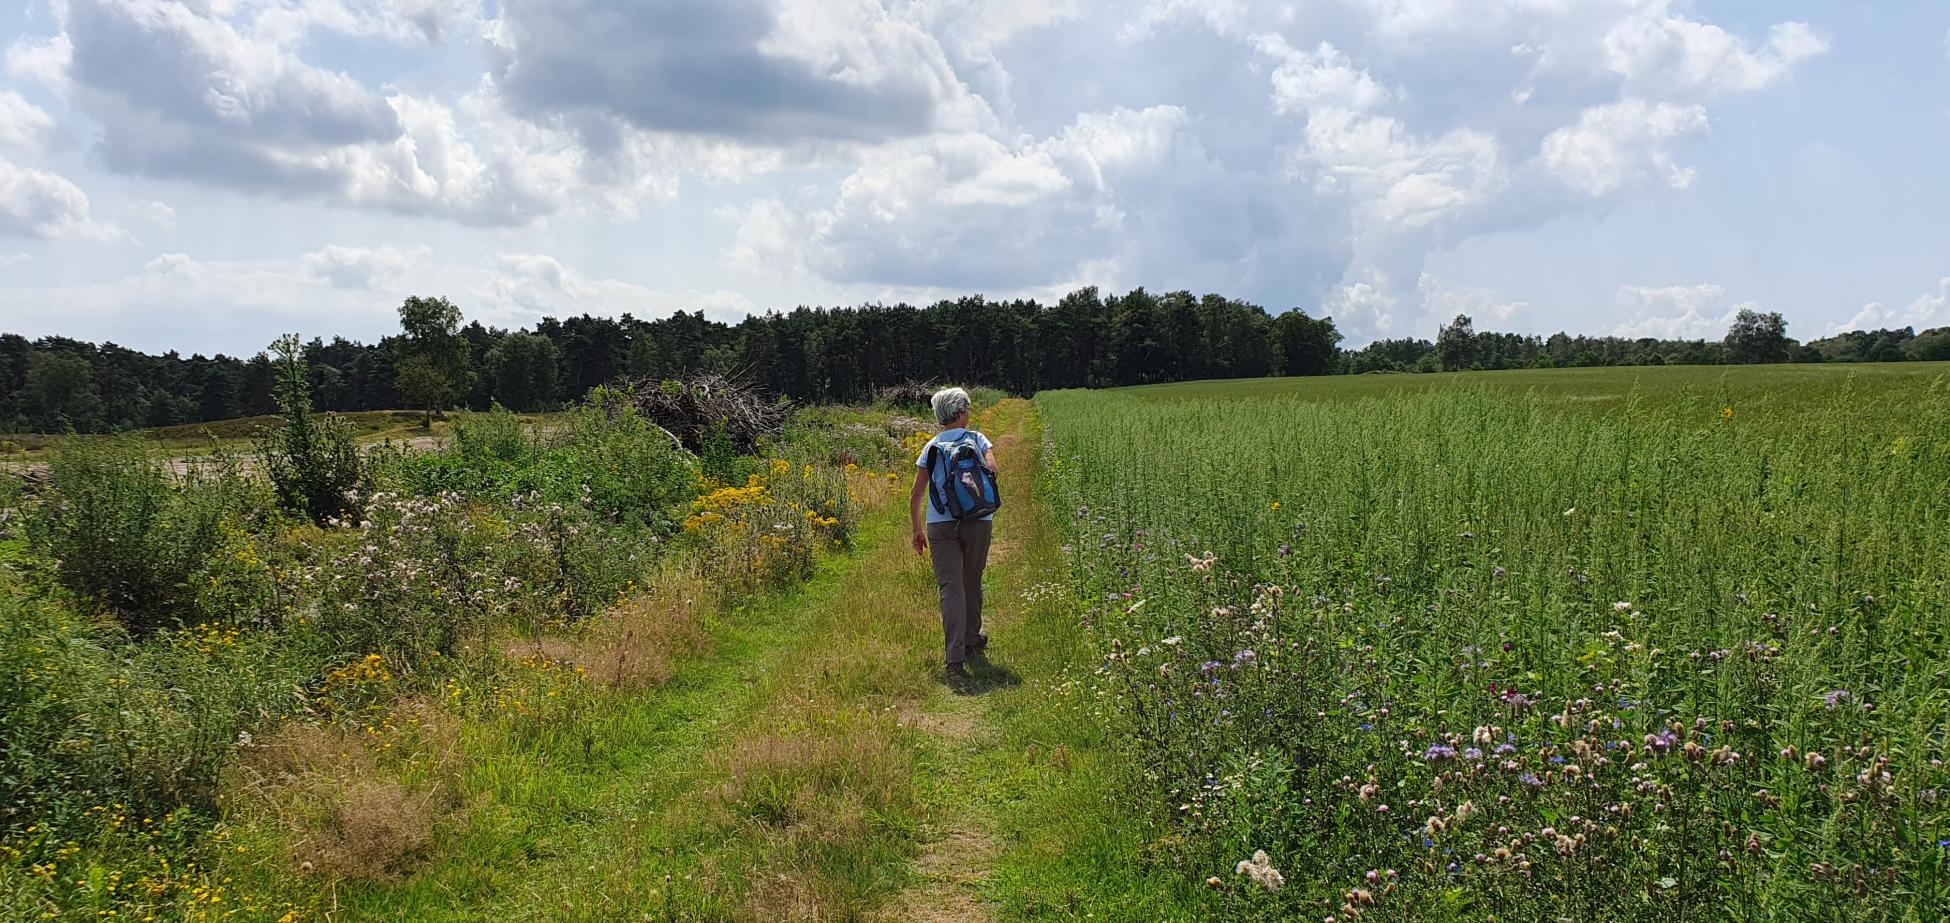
(810, 765)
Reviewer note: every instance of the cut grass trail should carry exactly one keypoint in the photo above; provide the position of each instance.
(809, 765)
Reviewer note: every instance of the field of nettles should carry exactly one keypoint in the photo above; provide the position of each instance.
(1477, 654)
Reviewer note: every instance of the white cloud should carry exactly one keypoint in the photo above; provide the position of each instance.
(1323, 78)
(522, 287)
(158, 214)
(970, 212)
(1364, 307)
(1663, 52)
(1618, 145)
(36, 203)
(1677, 312)
(1443, 303)
(23, 125)
(1926, 312)
(176, 301)
(365, 268)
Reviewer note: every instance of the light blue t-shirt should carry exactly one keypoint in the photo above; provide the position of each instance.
(947, 436)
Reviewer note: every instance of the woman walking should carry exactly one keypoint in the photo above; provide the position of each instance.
(959, 545)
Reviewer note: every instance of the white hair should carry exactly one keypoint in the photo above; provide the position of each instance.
(949, 404)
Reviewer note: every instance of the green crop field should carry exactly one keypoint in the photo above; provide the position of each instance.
(1661, 643)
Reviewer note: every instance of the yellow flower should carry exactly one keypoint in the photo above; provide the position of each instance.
(1275, 507)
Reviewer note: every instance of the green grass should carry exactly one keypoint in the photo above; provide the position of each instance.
(1768, 388)
(1313, 598)
(236, 435)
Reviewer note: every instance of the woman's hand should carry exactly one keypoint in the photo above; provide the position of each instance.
(919, 540)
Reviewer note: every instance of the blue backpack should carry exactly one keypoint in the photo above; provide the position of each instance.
(959, 484)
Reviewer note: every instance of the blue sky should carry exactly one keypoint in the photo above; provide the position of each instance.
(202, 175)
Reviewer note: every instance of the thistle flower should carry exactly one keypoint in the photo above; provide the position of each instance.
(1260, 869)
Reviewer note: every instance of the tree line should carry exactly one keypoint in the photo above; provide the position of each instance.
(1086, 339)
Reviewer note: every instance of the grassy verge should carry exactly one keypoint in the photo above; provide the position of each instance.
(1021, 773)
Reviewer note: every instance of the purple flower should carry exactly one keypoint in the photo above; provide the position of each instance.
(1662, 741)
(1505, 749)
(1438, 752)
(1530, 779)
(1473, 755)
(1832, 699)
(1244, 657)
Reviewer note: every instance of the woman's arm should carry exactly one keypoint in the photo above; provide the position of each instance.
(916, 525)
(988, 461)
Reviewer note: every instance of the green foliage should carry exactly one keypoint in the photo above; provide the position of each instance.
(60, 394)
(1757, 337)
(624, 469)
(1656, 658)
(521, 372)
(124, 533)
(89, 719)
(435, 370)
(313, 462)
(718, 460)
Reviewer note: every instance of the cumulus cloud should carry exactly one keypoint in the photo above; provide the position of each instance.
(1666, 52)
(1926, 312)
(522, 287)
(1621, 144)
(1677, 312)
(218, 94)
(1444, 303)
(974, 212)
(746, 69)
(177, 301)
(36, 203)
(364, 268)
(23, 125)
(1308, 154)
(159, 215)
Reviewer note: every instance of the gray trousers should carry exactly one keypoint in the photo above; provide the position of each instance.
(960, 550)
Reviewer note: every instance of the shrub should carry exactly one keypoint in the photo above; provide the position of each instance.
(424, 573)
(122, 532)
(314, 461)
(88, 720)
(763, 535)
(620, 467)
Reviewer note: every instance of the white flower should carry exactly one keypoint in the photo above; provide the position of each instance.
(1260, 869)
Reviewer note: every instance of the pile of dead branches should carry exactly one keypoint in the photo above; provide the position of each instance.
(912, 395)
(693, 408)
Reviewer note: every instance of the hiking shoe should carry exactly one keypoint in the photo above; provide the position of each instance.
(956, 672)
(981, 641)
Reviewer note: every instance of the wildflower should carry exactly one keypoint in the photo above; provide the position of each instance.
(1530, 779)
(1260, 869)
(1275, 507)
(1438, 752)
(1621, 606)
(1831, 700)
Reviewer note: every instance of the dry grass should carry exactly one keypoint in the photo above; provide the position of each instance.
(358, 804)
(370, 830)
(636, 645)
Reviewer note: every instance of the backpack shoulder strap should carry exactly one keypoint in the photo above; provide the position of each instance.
(934, 493)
